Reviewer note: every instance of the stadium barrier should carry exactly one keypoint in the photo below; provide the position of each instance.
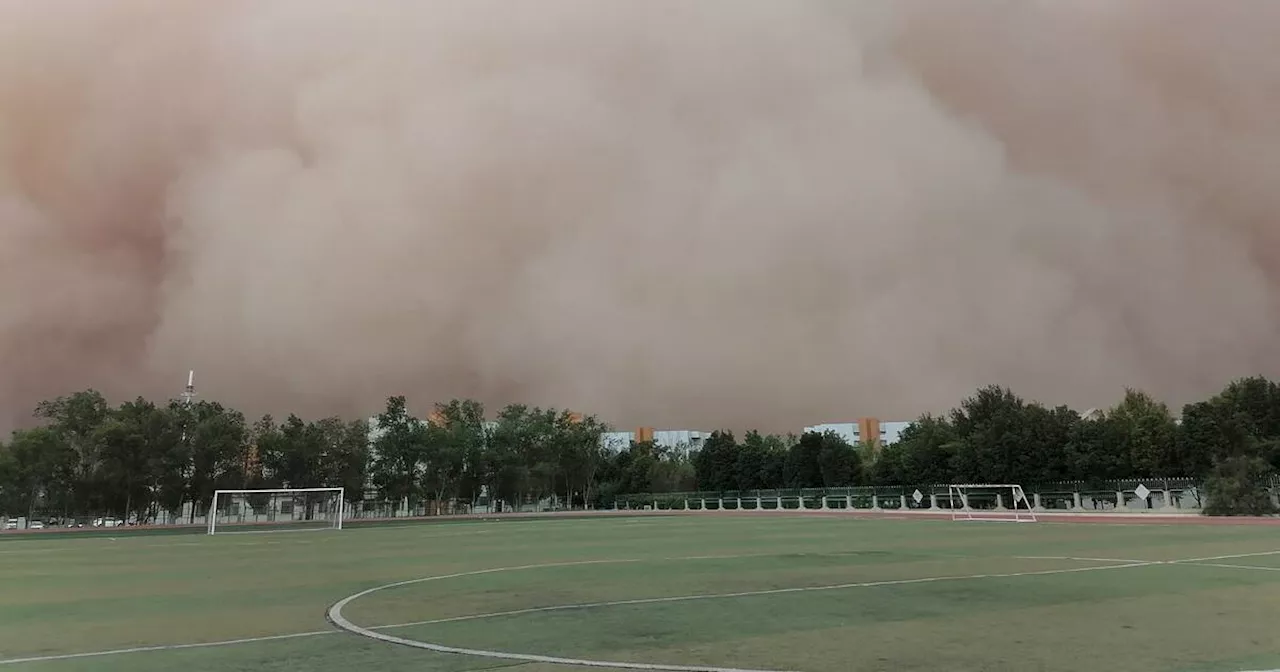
(1164, 495)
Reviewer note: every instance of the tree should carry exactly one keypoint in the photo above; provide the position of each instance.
(1200, 437)
(138, 457)
(13, 494)
(759, 463)
(536, 453)
(715, 464)
(1147, 433)
(1093, 452)
(1256, 401)
(582, 455)
(992, 431)
(295, 454)
(75, 420)
(672, 471)
(216, 439)
(40, 465)
(455, 439)
(398, 452)
(350, 458)
(802, 467)
(1238, 487)
(925, 453)
(131, 441)
(838, 462)
(638, 465)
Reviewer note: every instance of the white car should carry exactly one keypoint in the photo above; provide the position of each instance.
(35, 525)
(11, 524)
(108, 522)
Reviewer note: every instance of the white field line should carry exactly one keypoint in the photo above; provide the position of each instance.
(250, 640)
(110, 542)
(162, 647)
(486, 525)
(754, 593)
(336, 617)
(1224, 557)
(42, 551)
(279, 531)
(1059, 557)
(1219, 564)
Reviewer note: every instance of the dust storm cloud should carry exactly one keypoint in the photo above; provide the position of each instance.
(710, 213)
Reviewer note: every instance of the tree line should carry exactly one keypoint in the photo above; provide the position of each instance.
(140, 458)
(1230, 443)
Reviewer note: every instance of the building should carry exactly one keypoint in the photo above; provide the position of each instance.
(864, 430)
(665, 438)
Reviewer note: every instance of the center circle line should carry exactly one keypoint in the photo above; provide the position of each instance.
(336, 616)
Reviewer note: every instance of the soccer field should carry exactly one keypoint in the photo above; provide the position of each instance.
(766, 592)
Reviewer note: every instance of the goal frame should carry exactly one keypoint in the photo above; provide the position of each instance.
(213, 505)
(1020, 512)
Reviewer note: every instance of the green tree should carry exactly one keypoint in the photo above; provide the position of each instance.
(803, 468)
(1238, 486)
(1094, 452)
(1200, 437)
(39, 466)
(131, 441)
(715, 464)
(12, 493)
(398, 453)
(760, 461)
(350, 458)
(454, 441)
(75, 419)
(992, 431)
(521, 452)
(1147, 433)
(294, 454)
(1256, 401)
(638, 467)
(582, 454)
(838, 462)
(925, 453)
(672, 471)
(216, 439)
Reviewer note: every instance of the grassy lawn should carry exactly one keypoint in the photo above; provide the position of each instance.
(815, 594)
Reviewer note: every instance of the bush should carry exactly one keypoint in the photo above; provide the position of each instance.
(1238, 486)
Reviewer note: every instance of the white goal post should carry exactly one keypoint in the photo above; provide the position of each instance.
(990, 502)
(277, 510)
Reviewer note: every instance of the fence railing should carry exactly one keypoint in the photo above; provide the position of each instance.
(1123, 495)
(1168, 494)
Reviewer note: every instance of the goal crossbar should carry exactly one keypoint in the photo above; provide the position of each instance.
(997, 502)
(339, 503)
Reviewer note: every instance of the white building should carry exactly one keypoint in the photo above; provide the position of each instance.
(849, 431)
(892, 430)
(616, 442)
(863, 430)
(665, 438)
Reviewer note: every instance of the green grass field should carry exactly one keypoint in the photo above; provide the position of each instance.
(879, 595)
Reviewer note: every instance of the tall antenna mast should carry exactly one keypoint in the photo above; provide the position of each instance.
(190, 392)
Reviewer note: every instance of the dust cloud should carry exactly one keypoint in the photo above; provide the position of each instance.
(684, 214)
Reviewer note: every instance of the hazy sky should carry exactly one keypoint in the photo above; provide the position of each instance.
(683, 214)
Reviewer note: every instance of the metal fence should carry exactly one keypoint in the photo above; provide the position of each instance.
(1128, 495)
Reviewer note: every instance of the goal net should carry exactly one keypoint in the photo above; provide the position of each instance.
(994, 502)
(282, 510)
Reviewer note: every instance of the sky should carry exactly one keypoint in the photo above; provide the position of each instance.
(722, 213)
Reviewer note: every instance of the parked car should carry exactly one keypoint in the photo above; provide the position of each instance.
(35, 525)
(108, 522)
(11, 524)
